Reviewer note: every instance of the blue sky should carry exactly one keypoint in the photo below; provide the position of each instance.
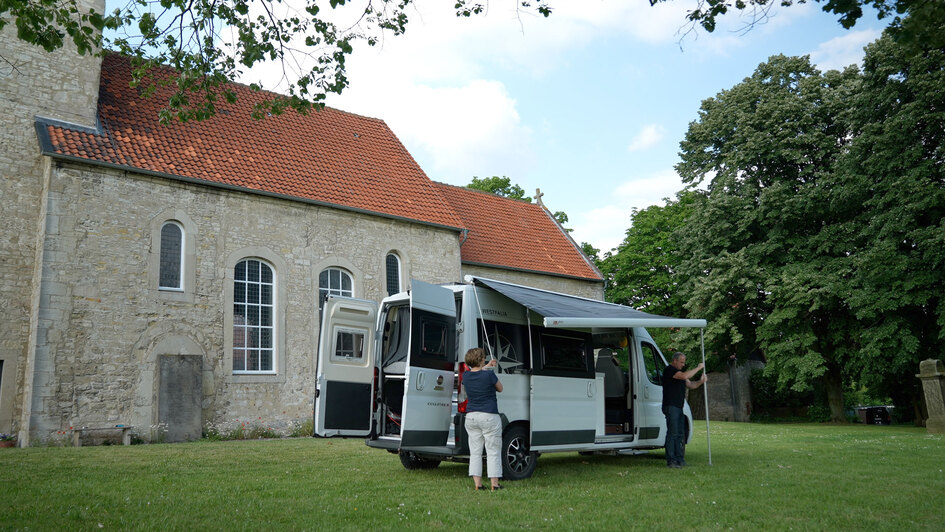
(589, 105)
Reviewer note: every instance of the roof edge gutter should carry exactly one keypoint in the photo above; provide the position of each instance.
(525, 270)
(213, 184)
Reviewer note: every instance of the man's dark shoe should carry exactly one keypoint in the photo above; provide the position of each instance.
(673, 465)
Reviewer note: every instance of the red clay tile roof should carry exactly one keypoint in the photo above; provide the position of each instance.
(514, 234)
(329, 156)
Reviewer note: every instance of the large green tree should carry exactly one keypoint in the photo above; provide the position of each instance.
(643, 271)
(210, 43)
(758, 263)
(892, 183)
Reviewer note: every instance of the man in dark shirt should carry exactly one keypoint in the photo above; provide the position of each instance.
(675, 381)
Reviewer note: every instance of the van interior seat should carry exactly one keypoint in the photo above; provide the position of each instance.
(615, 384)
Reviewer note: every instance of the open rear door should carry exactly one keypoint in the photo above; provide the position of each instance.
(345, 373)
(428, 392)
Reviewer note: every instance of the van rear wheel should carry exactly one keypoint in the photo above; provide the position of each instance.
(518, 461)
(412, 461)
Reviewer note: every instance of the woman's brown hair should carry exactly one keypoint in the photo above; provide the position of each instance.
(475, 357)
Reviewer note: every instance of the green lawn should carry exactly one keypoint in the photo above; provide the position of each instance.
(763, 476)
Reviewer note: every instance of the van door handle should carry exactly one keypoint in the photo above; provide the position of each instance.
(590, 388)
(419, 381)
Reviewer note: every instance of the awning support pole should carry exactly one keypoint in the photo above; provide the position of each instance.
(705, 391)
(485, 332)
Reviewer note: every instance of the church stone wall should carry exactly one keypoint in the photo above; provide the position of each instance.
(107, 326)
(32, 83)
(565, 285)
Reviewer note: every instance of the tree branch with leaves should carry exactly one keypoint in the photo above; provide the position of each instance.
(211, 43)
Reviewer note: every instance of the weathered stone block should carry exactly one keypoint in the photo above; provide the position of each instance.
(932, 374)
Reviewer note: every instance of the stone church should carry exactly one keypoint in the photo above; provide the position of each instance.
(145, 266)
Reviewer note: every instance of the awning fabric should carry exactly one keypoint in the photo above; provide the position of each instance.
(562, 310)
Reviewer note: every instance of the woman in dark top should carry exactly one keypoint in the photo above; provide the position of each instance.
(483, 424)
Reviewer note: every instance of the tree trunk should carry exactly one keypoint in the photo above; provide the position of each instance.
(833, 382)
(918, 405)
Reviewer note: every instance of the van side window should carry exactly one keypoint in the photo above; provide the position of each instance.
(564, 355)
(508, 343)
(654, 363)
(561, 352)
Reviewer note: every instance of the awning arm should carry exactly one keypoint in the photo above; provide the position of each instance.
(583, 323)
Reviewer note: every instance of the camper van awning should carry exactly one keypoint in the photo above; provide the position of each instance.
(562, 310)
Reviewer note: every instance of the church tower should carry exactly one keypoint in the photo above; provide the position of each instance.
(60, 85)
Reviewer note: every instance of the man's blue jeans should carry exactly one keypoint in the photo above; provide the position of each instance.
(675, 425)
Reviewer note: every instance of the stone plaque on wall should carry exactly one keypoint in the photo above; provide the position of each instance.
(179, 397)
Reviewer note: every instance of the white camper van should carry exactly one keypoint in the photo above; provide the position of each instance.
(578, 374)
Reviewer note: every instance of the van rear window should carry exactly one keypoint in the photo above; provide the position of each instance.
(433, 340)
(349, 345)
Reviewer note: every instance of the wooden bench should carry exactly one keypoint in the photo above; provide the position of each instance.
(78, 431)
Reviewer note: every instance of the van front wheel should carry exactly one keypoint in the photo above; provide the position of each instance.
(518, 461)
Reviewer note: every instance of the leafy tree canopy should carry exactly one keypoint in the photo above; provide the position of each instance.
(210, 43)
(820, 240)
(500, 186)
(892, 184)
(758, 260)
(643, 271)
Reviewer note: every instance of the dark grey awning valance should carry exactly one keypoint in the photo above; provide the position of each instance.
(562, 310)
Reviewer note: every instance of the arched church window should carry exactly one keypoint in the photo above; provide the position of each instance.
(393, 274)
(171, 274)
(253, 324)
(333, 281)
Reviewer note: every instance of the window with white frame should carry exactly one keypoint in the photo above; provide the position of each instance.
(393, 274)
(253, 307)
(333, 281)
(171, 275)
(349, 345)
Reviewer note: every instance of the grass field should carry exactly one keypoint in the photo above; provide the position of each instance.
(800, 477)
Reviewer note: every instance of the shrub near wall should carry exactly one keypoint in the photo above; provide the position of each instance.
(769, 403)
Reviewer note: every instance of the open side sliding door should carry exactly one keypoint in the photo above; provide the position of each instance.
(564, 390)
(428, 392)
(345, 373)
(652, 424)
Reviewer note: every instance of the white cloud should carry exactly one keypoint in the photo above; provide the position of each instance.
(841, 52)
(605, 227)
(463, 131)
(455, 128)
(649, 136)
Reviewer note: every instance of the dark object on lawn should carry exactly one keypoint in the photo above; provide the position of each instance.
(874, 415)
